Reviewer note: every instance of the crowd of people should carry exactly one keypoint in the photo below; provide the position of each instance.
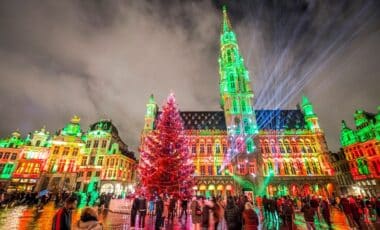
(239, 212)
(232, 212)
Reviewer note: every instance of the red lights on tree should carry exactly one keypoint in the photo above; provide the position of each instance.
(165, 161)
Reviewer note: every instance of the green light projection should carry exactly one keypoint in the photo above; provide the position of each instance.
(236, 95)
(73, 128)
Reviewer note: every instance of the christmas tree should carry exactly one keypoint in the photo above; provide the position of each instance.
(165, 161)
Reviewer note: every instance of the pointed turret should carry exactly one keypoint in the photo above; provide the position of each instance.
(236, 96)
(311, 118)
(226, 21)
(151, 112)
(347, 135)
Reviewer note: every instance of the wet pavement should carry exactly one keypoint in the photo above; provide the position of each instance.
(27, 218)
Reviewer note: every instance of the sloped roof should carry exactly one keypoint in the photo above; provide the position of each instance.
(266, 119)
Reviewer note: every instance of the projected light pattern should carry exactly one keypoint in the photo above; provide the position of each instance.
(361, 150)
(285, 150)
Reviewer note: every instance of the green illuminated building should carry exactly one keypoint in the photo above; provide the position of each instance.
(239, 148)
(106, 165)
(60, 170)
(361, 147)
(10, 151)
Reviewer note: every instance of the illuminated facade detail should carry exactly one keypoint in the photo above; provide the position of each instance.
(274, 152)
(61, 169)
(150, 116)
(362, 151)
(345, 183)
(10, 151)
(71, 160)
(236, 94)
(106, 161)
(31, 163)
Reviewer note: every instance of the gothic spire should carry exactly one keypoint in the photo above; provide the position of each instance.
(226, 21)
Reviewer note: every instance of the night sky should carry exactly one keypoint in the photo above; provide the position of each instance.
(102, 59)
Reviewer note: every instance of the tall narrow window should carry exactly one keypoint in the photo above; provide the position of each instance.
(217, 148)
(96, 143)
(202, 148)
(104, 143)
(209, 148)
(100, 161)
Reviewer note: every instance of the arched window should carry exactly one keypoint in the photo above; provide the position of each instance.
(235, 107)
(224, 148)
(249, 146)
(229, 56)
(266, 146)
(273, 146)
(294, 147)
(281, 144)
(265, 169)
(308, 146)
(243, 107)
(287, 146)
(217, 147)
(302, 145)
(286, 168)
(307, 165)
(209, 148)
(292, 168)
(247, 127)
(193, 148)
(315, 169)
(202, 148)
(270, 167)
(38, 143)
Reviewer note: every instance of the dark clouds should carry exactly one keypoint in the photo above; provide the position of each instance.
(102, 59)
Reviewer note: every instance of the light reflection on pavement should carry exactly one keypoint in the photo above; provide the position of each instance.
(26, 218)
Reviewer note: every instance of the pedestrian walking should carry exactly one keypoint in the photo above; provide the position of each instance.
(288, 213)
(89, 220)
(250, 218)
(151, 207)
(232, 215)
(309, 213)
(172, 207)
(196, 214)
(62, 219)
(159, 211)
(142, 205)
(183, 208)
(217, 212)
(325, 209)
(133, 212)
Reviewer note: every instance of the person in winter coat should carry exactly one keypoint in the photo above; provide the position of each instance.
(325, 209)
(134, 212)
(159, 211)
(344, 204)
(251, 220)
(217, 212)
(309, 213)
(62, 219)
(232, 215)
(89, 220)
(206, 208)
(166, 209)
(142, 206)
(355, 212)
(196, 213)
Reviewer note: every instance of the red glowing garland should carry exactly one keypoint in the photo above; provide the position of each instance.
(165, 161)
